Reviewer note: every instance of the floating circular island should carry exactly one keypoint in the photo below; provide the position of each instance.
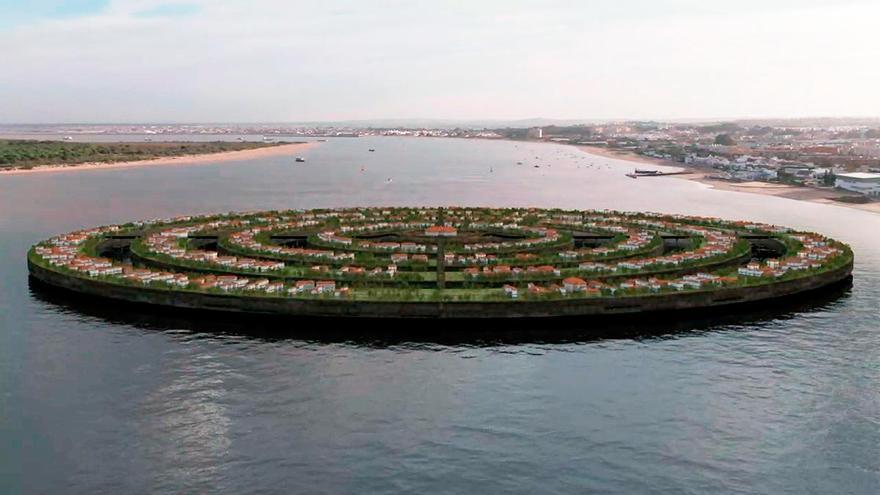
(444, 262)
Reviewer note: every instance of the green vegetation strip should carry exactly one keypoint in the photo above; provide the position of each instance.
(25, 154)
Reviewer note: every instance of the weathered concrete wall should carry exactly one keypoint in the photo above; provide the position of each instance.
(501, 309)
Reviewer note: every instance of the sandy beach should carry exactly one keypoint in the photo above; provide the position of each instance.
(226, 156)
(703, 176)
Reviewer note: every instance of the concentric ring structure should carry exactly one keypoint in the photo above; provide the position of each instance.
(443, 262)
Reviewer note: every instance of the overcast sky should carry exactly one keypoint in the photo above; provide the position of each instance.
(281, 60)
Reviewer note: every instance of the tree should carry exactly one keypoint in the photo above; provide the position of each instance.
(724, 140)
(829, 179)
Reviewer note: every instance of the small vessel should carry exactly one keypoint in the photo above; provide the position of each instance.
(519, 163)
(300, 159)
(646, 172)
(322, 140)
(537, 166)
(372, 149)
(68, 138)
(390, 180)
(632, 176)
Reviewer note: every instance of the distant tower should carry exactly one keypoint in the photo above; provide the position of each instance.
(535, 133)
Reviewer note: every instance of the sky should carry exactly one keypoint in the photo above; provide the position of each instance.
(98, 61)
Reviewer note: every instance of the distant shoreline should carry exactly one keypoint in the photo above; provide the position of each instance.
(197, 159)
(702, 176)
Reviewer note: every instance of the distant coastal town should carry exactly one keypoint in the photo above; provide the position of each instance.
(840, 156)
(830, 156)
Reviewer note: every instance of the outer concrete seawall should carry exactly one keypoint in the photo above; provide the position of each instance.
(591, 306)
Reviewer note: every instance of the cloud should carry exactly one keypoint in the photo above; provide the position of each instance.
(285, 61)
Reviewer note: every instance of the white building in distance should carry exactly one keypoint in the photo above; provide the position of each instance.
(860, 182)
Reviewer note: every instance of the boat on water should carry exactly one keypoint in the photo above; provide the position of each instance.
(68, 138)
(632, 176)
(647, 172)
(300, 159)
(372, 149)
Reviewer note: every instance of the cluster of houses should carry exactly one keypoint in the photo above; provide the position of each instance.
(70, 258)
(673, 222)
(814, 253)
(569, 286)
(543, 236)
(318, 287)
(636, 239)
(506, 270)
(335, 237)
(409, 258)
(441, 231)
(232, 282)
(65, 251)
(389, 272)
(453, 259)
(695, 281)
(247, 239)
(407, 246)
(147, 276)
(578, 286)
(481, 217)
(425, 216)
(362, 228)
(167, 242)
(758, 227)
(761, 168)
(714, 243)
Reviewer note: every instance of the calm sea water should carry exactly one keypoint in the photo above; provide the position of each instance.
(97, 400)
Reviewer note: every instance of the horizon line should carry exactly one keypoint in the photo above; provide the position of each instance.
(568, 121)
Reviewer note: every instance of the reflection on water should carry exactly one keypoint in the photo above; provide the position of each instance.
(191, 438)
(378, 332)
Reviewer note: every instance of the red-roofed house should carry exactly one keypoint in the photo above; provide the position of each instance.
(441, 231)
(574, 284)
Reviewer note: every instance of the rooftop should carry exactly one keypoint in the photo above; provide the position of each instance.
(860, 176)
